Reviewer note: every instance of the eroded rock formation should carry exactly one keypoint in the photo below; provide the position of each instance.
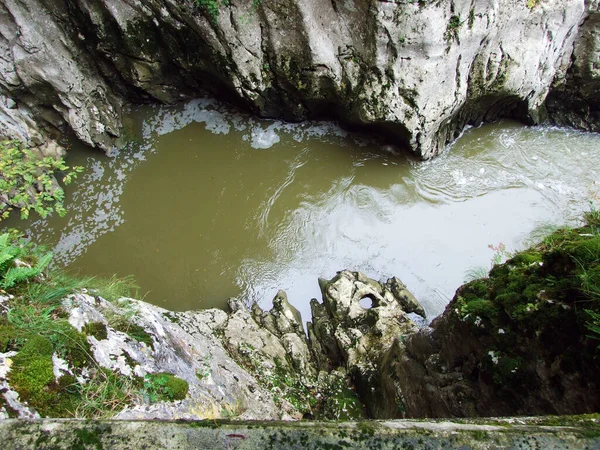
(420, 70)
(248, 364)
(479, 358)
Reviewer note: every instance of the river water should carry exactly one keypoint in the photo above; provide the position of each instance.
(206, 203)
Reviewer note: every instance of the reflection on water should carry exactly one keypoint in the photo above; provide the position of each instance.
(208, 203)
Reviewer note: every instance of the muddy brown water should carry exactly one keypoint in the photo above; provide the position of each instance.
(205, 203)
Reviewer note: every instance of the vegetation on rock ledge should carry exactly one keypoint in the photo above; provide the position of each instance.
(27, 181)
(543, 304)
(52, 367)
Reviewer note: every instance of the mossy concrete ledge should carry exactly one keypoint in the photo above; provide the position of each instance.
(537, 433)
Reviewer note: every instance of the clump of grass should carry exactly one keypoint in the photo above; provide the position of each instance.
(113, 288)
(104, 395)
(35, 324)
(475, 273)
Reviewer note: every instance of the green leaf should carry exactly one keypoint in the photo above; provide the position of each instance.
(21, 170)
(44, 261)
(19, 274)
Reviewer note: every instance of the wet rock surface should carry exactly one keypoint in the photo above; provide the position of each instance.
(418, 70)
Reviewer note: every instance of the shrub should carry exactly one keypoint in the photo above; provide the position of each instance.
(28, 181)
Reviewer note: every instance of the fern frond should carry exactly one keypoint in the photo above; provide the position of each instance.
(4, 240)
(18, 274)
(44, 261)
(7, 256)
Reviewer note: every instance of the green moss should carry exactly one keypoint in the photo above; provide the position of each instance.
(526, 258)
(165, 387)
(8, 336)
(32, 372)
(131, 362)
(479, 288)
(87, 438)
(74, 347)
(96, 329)
(134, 331)
(67, 383)
(32, 376)
(483, 308)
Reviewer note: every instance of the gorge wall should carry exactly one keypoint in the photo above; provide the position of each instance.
(418, 70)
(357, 362)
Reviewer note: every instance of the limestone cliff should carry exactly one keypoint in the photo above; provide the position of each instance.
(418, 70)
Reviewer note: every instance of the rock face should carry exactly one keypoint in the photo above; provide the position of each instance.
(574, 98)
(420, 70)
(356, 338)
(186, 345)
(359, 360)
(247, 364)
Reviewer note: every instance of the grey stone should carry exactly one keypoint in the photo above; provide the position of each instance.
(423, 70)
(510, 433)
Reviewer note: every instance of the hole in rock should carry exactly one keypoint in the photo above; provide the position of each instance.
(366, 302)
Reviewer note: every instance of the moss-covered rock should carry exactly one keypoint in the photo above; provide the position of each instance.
(165, 387)
(32, 373)
(32, 376)
(523, 340)
(96, 329)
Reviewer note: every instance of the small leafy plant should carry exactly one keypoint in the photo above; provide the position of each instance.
(164, 387)
(211, 7)
(14, 270)
(27, 182)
